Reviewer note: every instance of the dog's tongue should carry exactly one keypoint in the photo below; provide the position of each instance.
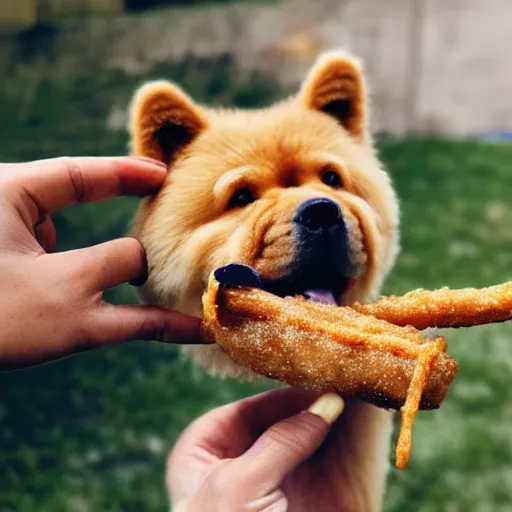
(324, 296)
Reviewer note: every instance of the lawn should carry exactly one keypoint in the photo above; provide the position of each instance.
(91, 433)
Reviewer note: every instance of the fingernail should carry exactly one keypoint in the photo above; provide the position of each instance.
(150, 161)
(150, 192)
(236, 276)
(328, 407)
(140, 280)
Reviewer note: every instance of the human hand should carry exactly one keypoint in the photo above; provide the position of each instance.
(263, 454)
(51, 305)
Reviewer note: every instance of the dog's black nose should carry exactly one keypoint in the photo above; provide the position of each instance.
(317, 214)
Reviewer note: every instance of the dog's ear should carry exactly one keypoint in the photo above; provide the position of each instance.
(335, 85)
(163, 121)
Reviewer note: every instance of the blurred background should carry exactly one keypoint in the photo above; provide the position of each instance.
(91, 433)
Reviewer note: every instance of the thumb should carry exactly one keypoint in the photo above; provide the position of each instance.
(288, 443)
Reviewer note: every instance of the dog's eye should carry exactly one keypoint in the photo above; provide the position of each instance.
(241, 197)
(332, 179)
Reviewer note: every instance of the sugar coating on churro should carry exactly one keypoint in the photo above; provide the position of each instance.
(444, 307)
(371, 351)
(426, 359)
(327, 348)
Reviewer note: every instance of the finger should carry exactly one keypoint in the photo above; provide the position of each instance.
(50, 185)
(115, 324)
(108, 264)
(226, 433)
(110, 325)
(287, 444)
(46, 234)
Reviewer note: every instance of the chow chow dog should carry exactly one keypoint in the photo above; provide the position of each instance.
(295, 191)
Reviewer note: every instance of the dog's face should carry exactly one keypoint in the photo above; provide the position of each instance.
(294, 191)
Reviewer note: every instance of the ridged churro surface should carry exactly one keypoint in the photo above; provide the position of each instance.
(444, 307)
(321, 347)
(374, 352)
(327, 348)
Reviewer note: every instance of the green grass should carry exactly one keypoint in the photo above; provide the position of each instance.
(92, 432)
(457, 219)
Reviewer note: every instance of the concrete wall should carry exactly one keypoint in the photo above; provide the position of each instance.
(433, 65)
(465, 80)
(440, 66)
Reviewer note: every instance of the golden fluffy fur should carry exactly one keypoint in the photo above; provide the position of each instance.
(279, 154)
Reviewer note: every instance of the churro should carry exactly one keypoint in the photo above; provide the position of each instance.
(325, 348)
(444, 307)
(374, 352)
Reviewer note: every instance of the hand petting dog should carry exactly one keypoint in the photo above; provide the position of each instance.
(52, 304)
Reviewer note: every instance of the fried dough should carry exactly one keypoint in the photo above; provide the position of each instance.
(374, 352)
(444, 307)
(325, 348)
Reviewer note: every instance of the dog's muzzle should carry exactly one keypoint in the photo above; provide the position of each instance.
(321, 267)
(321, 239)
